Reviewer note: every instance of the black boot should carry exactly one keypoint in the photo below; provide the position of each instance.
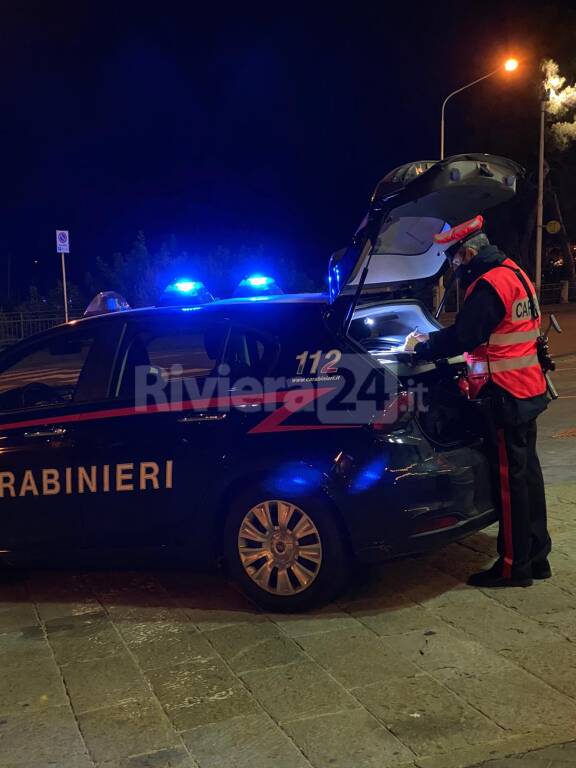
(541, 570)
(493, 578)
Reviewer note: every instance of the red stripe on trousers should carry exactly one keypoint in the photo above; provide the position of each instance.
(506, 505)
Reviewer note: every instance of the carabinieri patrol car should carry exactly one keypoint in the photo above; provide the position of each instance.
(285, 435)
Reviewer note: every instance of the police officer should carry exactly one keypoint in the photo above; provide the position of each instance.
(498, 327)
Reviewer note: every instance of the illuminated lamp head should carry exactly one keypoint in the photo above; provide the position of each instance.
(257, 285)
(184, 293)
(105, 303)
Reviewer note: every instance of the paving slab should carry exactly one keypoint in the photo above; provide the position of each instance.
(122, 586)
(298, 690)
(515, 699)
(253, 646)
(562, 622)
(17, 615)
(326, 619)
(420, 582)
(133, 728)
(164, 643)
(37, 686)
(425, 715)
(254, 741)
(447, 649)
(27, 645)
(103, 682)
(493, 624)
(349, 739)
(397, 621)
(144, 610)
(64, 606)
(49, 737)
(556, 756)
(199, 693)
(209, 601)
(462, 559)
(356, 657)
(520, 762)
(175, 757)
(507, 747)
(82, 638)
(541, 599)
(554, 663)
(563, 752)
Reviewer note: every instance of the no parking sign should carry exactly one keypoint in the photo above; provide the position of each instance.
(62, 241)
(62, 247)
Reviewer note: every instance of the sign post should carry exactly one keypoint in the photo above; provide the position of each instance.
(63, 247)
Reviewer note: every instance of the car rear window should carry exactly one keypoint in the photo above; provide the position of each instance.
(407, 236)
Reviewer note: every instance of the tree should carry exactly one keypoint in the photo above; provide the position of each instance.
(131, 274)
(141, 276)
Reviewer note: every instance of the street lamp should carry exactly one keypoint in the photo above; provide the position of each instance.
(510, 65)
(540, 200)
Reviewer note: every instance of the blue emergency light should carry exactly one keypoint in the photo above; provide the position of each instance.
(184, 292)
(106, 302)
(257, 285)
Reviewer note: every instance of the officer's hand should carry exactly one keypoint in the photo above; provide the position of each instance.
(412, 339)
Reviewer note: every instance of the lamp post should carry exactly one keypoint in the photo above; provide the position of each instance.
(540, 203)
(510, 65)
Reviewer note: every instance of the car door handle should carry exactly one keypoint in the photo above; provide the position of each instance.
(46, 432)
(202, 417)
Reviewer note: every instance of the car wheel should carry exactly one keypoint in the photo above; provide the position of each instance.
(286, 555)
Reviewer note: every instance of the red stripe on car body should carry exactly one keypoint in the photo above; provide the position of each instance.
(297, 398)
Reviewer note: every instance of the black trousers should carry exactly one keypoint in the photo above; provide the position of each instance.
(523, 537)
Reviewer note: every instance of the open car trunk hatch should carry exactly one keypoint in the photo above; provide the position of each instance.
(393, 249)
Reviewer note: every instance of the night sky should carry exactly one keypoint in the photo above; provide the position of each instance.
(244, 124)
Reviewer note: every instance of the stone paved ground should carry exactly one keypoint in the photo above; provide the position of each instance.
(410, 668)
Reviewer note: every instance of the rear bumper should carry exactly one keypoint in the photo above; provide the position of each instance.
(426, 541)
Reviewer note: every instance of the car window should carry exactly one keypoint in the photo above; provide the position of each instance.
(184, 355)
(169, 354)
(46, 374)
(407, 236)
(248, 353)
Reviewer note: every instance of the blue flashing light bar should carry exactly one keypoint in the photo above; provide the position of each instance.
(184, 292)
(188, 286)
(257, 285)
(258, 281)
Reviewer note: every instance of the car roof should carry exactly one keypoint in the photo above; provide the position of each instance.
(250, 304)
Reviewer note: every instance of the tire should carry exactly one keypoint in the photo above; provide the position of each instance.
(285, 554)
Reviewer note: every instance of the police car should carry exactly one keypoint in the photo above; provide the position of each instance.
(284, 435)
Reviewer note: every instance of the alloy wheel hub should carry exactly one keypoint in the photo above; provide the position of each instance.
(279, 547)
